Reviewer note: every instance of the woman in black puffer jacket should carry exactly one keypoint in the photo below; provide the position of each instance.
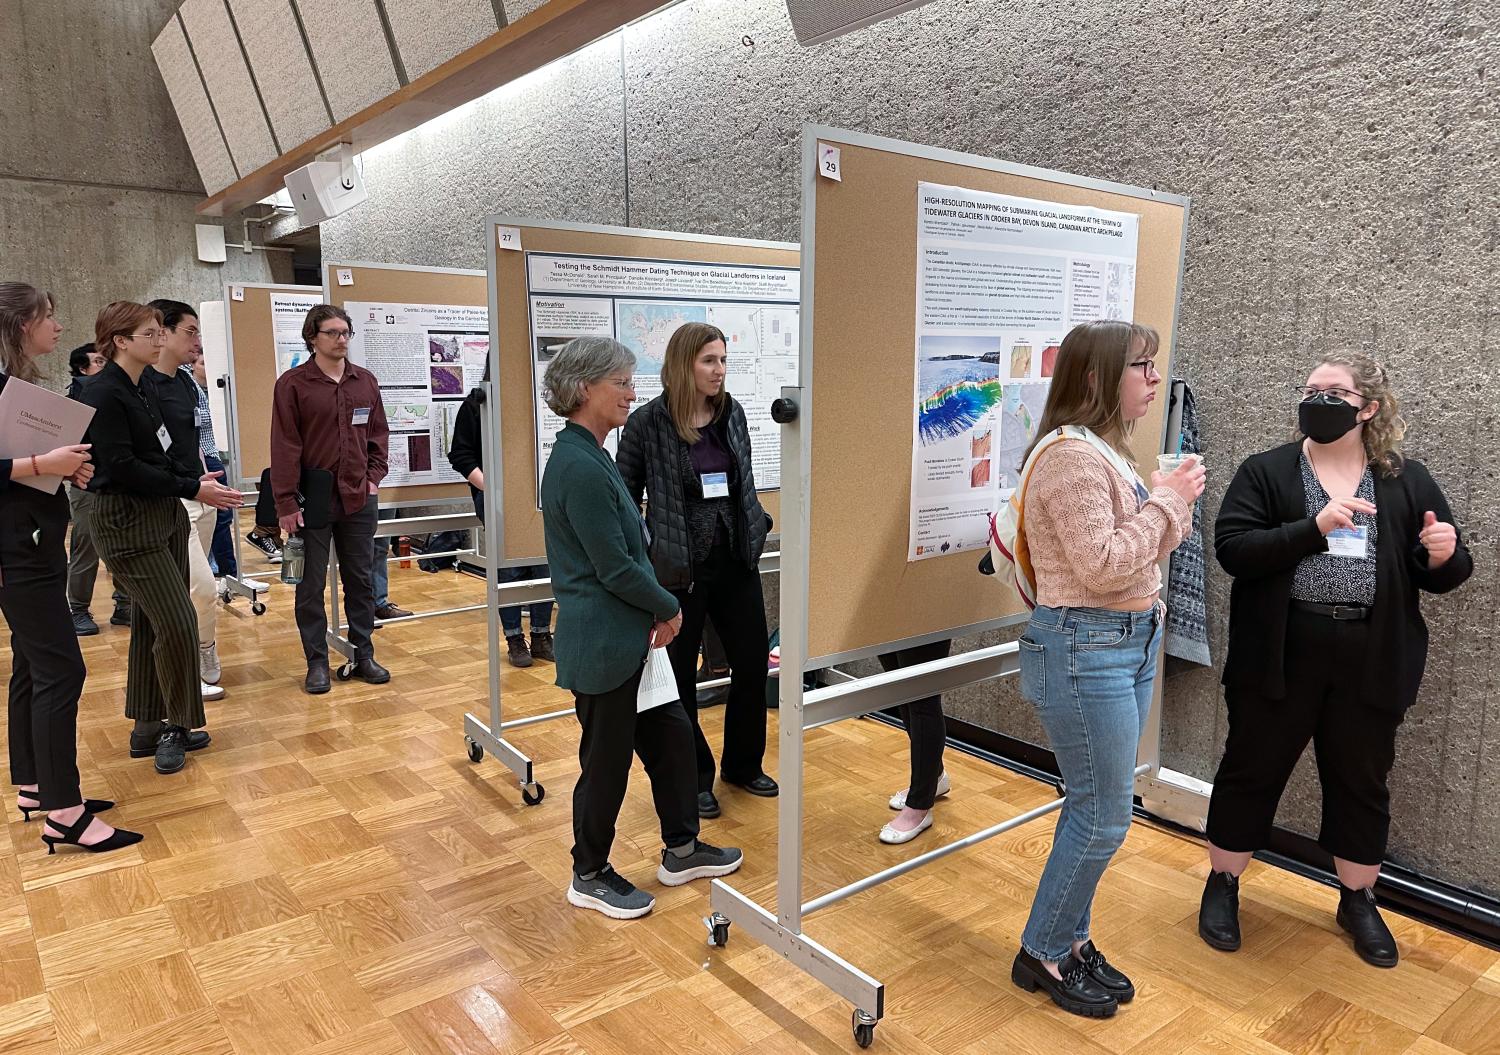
(688, 453)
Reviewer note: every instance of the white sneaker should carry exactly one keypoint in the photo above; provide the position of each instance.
(898, 800)
(211, 692)
(209, 668)
(895, 836)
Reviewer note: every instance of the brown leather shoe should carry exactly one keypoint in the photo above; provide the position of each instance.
(520, 655)
(391, 611)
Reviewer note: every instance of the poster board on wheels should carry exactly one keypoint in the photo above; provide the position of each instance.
(921, 264)
(552, 281)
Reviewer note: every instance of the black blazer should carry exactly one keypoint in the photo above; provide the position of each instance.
(33, 527)
(1264, 529)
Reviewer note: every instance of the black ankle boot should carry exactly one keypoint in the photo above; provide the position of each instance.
(1078, 992)
(1372, 938)
(1219, 912)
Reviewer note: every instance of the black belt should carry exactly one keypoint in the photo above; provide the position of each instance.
(1341, 612)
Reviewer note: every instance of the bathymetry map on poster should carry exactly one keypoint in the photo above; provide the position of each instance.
(1000, 280)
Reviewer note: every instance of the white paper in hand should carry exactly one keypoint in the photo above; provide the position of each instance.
(658, 684)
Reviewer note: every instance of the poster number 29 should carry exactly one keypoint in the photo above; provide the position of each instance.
(828, 162)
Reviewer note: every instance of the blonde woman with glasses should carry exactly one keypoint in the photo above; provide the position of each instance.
(1331, 541)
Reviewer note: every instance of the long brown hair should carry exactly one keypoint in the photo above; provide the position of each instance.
(119, 319)
(20, 304)
(1383, 433)
(1085, 387)
(680, 390)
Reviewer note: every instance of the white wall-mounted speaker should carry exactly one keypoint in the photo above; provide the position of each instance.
(815, 21)
(324, 189)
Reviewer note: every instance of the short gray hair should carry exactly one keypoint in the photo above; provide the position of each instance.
(582, 361)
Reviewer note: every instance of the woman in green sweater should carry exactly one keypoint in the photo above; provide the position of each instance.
(610, 612)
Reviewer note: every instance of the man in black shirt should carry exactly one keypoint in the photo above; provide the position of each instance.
(83, 559)
(174, 392)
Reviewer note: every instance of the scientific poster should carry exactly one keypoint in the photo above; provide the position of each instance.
(641, 303)
(1000, 281)
(288, 310)
(426, 358)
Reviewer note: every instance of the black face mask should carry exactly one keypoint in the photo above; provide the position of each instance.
(1324, 419)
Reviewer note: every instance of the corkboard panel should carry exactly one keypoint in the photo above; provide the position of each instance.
(512, 323)
(402, 285)
(862, 592)
(252, 347)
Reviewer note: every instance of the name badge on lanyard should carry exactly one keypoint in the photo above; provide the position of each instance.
(715, 485)
(361, 416)
(1349, 542)
(163, 437)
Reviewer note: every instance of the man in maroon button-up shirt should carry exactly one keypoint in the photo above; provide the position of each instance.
(327, 415)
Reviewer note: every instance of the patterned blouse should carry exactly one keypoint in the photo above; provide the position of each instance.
(1324, 578)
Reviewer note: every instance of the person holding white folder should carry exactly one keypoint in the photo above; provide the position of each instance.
(47, 671)
(611, 613)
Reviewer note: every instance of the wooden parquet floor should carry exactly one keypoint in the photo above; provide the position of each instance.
(334, 876)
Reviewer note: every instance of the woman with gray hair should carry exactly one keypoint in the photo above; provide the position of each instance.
(611, 612)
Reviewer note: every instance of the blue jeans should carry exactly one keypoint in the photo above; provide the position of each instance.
(221, 557)
(541, 612)
(1089, 672)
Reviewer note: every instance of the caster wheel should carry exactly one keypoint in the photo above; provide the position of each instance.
(720, 936)
(345, 672)
(476, 752)
(258, 608)
(533, 799)
(864, 1032)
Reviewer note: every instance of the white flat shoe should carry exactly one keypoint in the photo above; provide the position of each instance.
(898, 800)
(895, 837)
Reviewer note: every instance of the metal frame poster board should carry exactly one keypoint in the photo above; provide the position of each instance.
(848, 587)
(396, 286)
(251, 341)
(852, 485)
(661, 277)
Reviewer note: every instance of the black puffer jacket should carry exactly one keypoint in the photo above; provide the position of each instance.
(651, 459)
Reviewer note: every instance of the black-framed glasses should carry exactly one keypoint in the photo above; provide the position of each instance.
(1146, 366)
(1306, 392)
(337, 335)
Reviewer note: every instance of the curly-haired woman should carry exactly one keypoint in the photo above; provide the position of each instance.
(1330, 541)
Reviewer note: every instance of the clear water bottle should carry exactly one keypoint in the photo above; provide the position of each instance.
(293, 555)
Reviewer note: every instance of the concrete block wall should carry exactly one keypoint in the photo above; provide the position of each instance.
(97, 188)
(1341, 161)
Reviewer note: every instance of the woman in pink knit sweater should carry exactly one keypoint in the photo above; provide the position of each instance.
(1088, 657)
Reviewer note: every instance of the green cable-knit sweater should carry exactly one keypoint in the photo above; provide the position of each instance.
(607, 594)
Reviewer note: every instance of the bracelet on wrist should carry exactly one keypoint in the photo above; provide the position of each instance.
(34, 470)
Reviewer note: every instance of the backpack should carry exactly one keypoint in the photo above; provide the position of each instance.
(1009, 555)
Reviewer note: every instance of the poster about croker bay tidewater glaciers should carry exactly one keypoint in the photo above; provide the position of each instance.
(1000, 280)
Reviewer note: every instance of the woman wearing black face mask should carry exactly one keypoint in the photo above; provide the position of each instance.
(1329, 541)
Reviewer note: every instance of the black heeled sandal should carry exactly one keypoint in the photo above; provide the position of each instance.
(118, 839)
(90, 805)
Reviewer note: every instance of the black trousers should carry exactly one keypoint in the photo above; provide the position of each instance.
(730, 594)
(1355, 745)
(612, 732)
(144, 541)
(47, 669)
(352, 535)
(925, 726)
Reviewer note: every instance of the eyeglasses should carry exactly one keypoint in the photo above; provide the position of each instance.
(336, 335)
(150, 335)
(1306, 392)
(624, 384)
(1147, 367)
